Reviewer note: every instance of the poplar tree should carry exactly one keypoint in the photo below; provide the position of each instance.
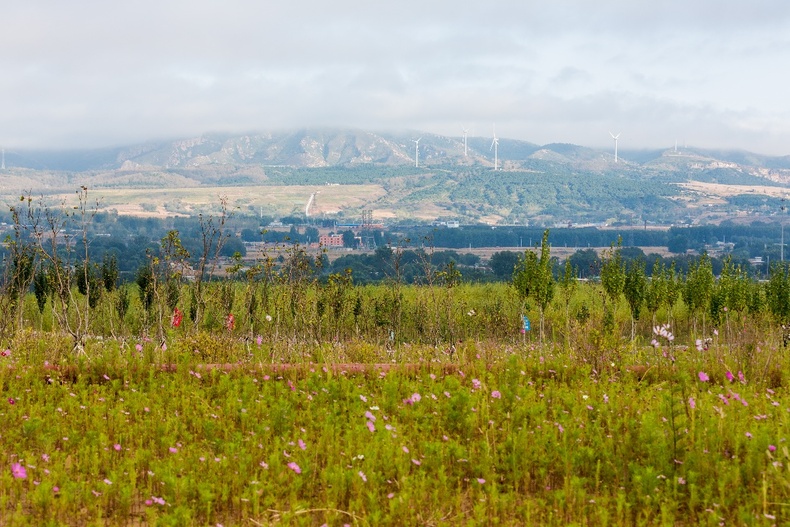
(533, 278)
(634, 288)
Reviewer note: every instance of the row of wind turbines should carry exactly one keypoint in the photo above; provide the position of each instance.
(494, 147)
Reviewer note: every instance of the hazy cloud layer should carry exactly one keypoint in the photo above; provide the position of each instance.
(96, 73)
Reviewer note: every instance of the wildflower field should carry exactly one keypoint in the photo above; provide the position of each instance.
(499, 434)
(272, 397)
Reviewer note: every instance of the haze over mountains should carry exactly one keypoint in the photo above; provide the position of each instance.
(325, 147)
(376, 170)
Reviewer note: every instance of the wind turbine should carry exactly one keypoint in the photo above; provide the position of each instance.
(416, 151)
(466, 131)
(3, 167)
(495, 147)
(615, 137)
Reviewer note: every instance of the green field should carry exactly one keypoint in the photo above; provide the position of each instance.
(276, 398)
(508, 435)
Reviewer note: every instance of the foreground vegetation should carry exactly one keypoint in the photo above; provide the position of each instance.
(278, 398)
(499, 434)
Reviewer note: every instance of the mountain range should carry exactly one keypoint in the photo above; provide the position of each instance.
(552, 182)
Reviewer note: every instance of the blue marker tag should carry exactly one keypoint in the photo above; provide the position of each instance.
(526, 323)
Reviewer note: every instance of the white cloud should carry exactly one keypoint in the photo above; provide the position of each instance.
(87, 72)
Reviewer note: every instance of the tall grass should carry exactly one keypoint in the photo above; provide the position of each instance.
(520, 435)
(457, 417)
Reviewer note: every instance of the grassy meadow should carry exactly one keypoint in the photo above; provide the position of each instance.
(335, 404)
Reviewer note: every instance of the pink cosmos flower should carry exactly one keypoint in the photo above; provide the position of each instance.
(496, 395)
(293, 466)
(302, 445)
(55, 489)
(158, 501)
(370, 416)
(363, 476)
(138, 347)
(117, 447)
(481, 480)
(692, 403)
(173, 450)
(371, 426)
(772, 448)
(703, 376)
(259, 340)
(416, 462)
(476, 384)
(729, 376)
(107, 481)
(748, 435)
(741, 377)
(406, 449)
(18, 471)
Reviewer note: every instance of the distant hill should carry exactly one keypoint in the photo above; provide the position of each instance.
(326, 147)
(555, 182)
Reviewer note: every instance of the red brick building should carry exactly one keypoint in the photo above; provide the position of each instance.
(331, 240)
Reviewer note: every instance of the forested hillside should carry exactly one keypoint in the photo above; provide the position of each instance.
(398, 180)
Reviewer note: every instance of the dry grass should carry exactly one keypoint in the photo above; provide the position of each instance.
(274, 200)
(719, 190)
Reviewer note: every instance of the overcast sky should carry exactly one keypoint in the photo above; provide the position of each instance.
(709, 73)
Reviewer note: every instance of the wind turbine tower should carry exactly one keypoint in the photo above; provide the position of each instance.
(495, 147)
(416, 152)
(3, 166)
(466, 131)
(615, 137)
